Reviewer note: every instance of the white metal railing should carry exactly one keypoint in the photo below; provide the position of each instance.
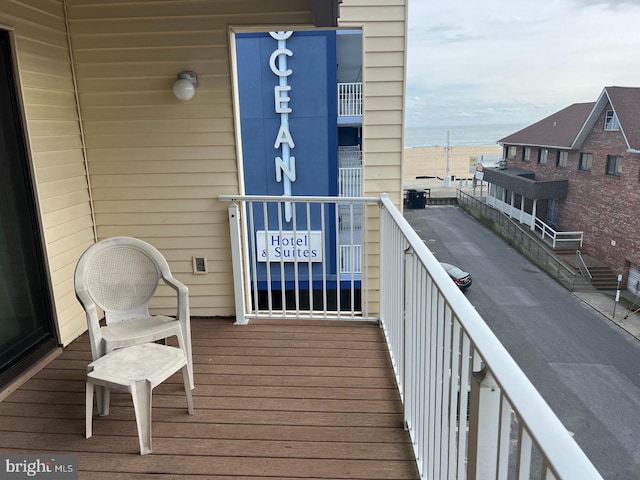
(350, 99)
(350, 258)
(584, 270)
(469, 409)
(557, 237)
(350, 182)
(350, 185)
(447, 362)
(535, 223)
(349, 156)
(312, 266)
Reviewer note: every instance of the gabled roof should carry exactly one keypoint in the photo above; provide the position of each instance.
(556, 131)
(569, 127)
(626, 103)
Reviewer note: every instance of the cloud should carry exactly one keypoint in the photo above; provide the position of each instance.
(512, 61)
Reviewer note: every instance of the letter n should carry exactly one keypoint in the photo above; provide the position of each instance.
(289, 171)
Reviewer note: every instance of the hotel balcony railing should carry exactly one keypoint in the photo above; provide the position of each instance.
(469, 409)
(349, 156)
(350, 99)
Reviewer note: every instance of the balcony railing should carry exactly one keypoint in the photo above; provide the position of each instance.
(312, 266)
(471, 412)
(350, 99)
(555, 238)
(349, 156)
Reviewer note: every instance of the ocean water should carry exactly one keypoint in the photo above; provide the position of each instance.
(458, 135)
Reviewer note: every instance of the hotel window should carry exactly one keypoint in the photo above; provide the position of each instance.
(611, 123)
(543, 153)
(511, 152)
(563, 157)
(586, 161)
(614, 165)
(526, 156)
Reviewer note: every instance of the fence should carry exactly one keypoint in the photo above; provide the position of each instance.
(313, 266)
(469, 409)
(447, 362)
(350, 99)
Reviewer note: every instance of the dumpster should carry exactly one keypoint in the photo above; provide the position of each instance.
(415, 199)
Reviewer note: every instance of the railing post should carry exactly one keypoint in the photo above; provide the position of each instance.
(484, 423)
(236, 261)
(407, 364)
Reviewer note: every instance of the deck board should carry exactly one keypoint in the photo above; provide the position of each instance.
(274, 399)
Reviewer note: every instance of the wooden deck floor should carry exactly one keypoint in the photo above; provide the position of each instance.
(277, 400)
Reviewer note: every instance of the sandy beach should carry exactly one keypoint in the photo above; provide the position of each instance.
(432, 161)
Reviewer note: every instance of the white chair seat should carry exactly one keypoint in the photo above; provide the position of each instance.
(139, 330)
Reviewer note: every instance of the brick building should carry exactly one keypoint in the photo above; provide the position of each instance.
(578, 170)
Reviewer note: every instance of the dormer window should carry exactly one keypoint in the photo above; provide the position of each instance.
(611, 123)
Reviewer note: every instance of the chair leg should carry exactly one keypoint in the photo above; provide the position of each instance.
(185, 345)
(141, 395)
(187, 389)
(89, 410)
(103, 395)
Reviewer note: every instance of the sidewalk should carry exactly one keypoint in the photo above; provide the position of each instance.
(604, 302)
(600, 300)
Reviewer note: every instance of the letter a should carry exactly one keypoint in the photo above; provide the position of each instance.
(284, 136)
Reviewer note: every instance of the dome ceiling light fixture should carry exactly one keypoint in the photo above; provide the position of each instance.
(184, 88)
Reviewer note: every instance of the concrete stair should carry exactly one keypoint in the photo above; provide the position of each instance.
(603, 278)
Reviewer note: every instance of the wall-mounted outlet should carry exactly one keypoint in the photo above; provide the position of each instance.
(200, 265)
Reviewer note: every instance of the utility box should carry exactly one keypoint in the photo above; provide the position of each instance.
(415, 199)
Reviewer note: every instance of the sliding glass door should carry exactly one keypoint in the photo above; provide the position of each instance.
(26, 323)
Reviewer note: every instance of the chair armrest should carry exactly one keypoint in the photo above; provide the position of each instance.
(93, 326)
(183, 297)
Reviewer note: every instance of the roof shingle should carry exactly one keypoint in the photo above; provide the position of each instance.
(558, 130)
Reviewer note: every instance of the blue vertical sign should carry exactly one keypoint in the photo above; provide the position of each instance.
(287, 87)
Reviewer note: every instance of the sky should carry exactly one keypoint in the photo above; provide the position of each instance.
(474, 62)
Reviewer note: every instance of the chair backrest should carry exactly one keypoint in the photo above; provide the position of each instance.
(119, 275)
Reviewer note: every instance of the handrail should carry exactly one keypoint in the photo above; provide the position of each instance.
(350, 99)
(300, 256)
(436, 311)
(584, 270)
(558, 237)
(440, 347)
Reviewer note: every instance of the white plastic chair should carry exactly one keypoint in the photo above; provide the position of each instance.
(120, 275)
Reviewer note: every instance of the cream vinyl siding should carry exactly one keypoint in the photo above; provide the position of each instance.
(384, 66)
(157, 165)
(55, 146)
(384, 33)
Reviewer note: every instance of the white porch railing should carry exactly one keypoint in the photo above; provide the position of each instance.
(535, 223)
(350, 258)
(350, 181)
(350, 99)
(557, 238)
(441, 349)
(313, 266)
(470, 411)
(349, 156)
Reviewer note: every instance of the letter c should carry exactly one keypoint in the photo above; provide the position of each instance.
(272, 62)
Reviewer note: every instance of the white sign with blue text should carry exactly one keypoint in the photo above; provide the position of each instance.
(289, 246)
